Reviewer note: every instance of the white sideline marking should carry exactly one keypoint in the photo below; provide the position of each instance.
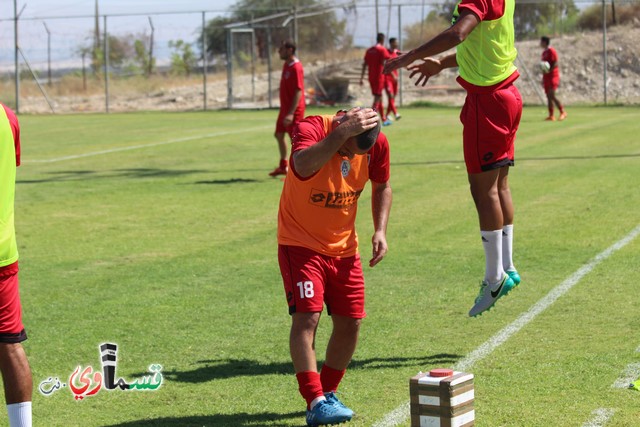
(599, 418)
(135, 147)
(630, 374)
(401, 413)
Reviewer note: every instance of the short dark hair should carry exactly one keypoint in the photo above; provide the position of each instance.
(366, 139)
(380, 38)
(290, 44)
(546, 40)
(392, 40)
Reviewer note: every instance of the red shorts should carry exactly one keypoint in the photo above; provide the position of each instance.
(281, 128)
(490, 123)
(550, 82)
(377, 85)
(390, 84)
(11, 328)
(311, 279)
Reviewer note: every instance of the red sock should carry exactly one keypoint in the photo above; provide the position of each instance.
(380, 109)
(330, 378)
(392, 107)
(561, 108)
(550, 112)
(309, 385)
(283, 163)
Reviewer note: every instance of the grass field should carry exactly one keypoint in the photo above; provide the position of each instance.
(157, 232)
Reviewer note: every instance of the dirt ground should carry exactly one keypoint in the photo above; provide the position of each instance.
(581, 66)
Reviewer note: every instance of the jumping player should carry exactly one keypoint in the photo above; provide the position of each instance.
(374, 60)
(551, 79)
(292, 102)
(483, 35)
(332, 159)
(16, 373)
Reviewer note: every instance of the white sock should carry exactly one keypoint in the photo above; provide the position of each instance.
(19, 414)
(492, 243)
(507, 247)
(317, 400)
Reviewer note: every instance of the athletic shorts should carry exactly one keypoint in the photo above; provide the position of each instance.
(390, 85)
(490, 123)
(281, 128)
(312, 279)
(377, 85)
(11, 328)
(550, 82)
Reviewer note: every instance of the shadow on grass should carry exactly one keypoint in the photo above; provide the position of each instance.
(235, 420)
(230, 368)
(228, 181)
(83, 175)
(522, 159)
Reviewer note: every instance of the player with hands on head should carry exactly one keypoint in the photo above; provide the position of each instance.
(482, 33)
(333, 157)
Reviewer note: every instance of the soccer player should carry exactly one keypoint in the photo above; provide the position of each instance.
(551, 79)
(483, 35)
(332, 159)
(391, 81)
(374, 60)
(292, 102)
(16, 373)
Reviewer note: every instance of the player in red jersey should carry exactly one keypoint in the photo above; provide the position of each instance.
(374, 60)
(333, 157)
(391, 81)
(14, 366)
(551, 78)
(292, 102)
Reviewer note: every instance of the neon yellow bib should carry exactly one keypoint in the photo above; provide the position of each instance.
(8, 246)
(486, 56)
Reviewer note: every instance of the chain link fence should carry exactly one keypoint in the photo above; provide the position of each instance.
(142, 62)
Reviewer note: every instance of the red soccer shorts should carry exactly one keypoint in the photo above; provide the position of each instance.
(390, 85)
(550, 82)
(490, 123)
(377, 85)
(311, 279)
(11, 328)
(281, 128)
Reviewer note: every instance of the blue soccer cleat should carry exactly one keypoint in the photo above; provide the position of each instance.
(326, 412)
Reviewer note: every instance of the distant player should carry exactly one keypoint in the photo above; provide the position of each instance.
(483, 35)
(292, 102)
(374, 60)
(14, 366)
(333, 158)
(551, 78)
(391, 81)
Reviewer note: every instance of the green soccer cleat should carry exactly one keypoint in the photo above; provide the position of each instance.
(489, 294)
(514, 276)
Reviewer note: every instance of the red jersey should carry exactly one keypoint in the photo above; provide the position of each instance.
(393, 53)
(319, 212)
(292, 79)
(375, 58)
(551, 56)
(15, 130)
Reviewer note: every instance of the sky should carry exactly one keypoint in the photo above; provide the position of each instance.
(67, 25)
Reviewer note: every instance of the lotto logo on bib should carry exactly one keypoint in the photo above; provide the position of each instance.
(326, 199)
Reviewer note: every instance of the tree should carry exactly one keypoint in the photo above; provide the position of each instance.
(418, 33)
(143, 58)
(533, 19)
(315, 34)
(183, 58)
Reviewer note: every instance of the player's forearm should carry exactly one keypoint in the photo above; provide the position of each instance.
(309, 160)
(381, 198)
(449, 61)
(448, 39)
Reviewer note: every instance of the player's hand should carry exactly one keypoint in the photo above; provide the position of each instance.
(427, 69)
(380, 248)
(356, 121)
(287, 120)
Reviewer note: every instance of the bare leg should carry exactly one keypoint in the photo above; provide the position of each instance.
(484, 189)
(302, 341)
(504, 192)
(343, 341)
(16, 373)
(282, 145)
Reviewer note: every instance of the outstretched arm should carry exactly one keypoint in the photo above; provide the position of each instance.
(449, 38)
(380, 207)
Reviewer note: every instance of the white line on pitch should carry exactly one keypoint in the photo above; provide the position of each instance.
(599, 417)
(401, 413)
(135, 147)
(629, 375)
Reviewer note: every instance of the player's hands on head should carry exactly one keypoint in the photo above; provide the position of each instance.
(358, 120)
(425, 70)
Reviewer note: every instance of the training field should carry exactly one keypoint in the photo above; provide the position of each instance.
(157, 232)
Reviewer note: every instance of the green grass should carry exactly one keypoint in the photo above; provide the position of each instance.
(170, 252)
